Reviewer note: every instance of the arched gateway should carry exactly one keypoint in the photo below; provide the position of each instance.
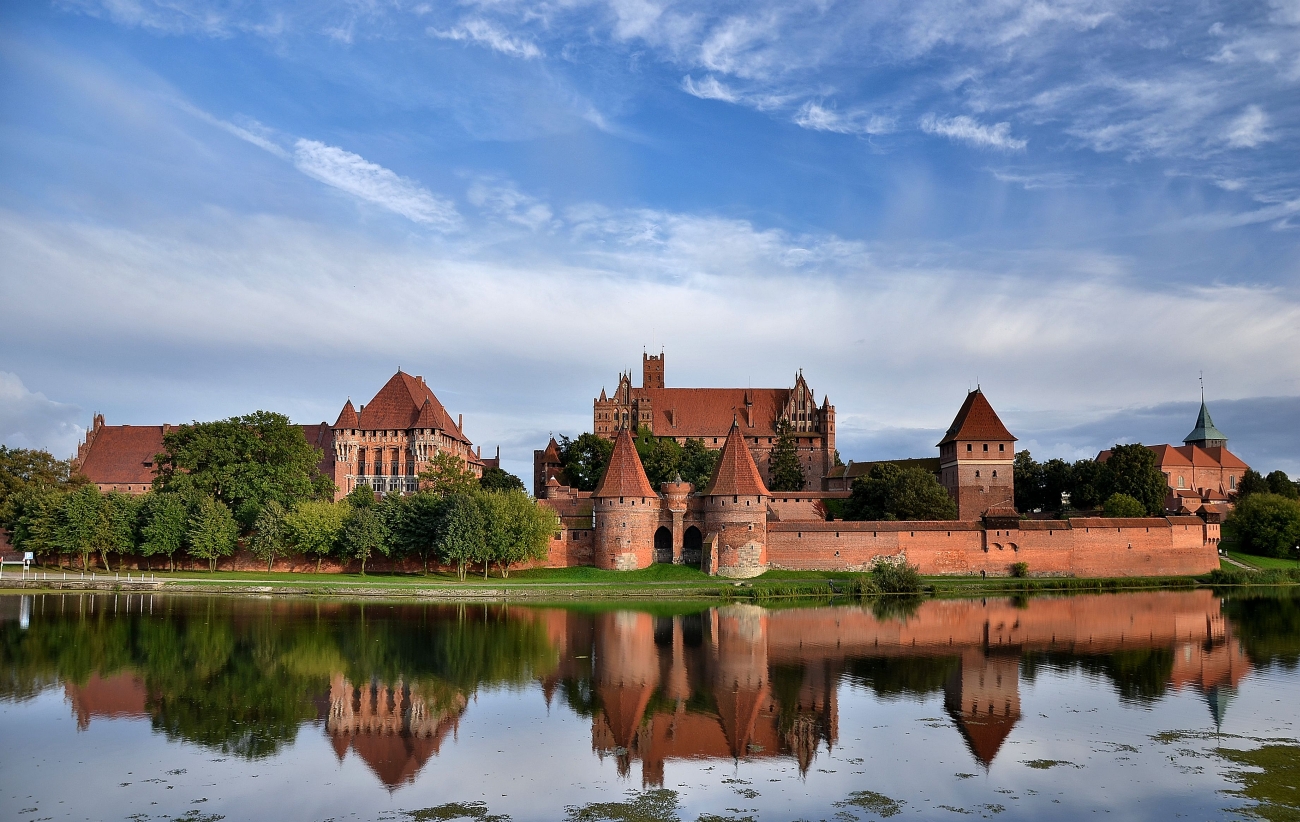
(692, 545)
(663, 545)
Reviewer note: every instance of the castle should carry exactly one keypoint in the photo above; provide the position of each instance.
(736, 527)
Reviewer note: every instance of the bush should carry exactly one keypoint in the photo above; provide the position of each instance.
(1122, 505)
(1020, 570)
(895, 577)
(1267, 525)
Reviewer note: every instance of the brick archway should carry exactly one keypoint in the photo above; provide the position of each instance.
(663, 545)
(692, 546)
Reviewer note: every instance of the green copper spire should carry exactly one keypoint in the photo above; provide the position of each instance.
(1205, 434)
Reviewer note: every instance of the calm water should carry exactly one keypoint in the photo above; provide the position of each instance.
(1123, 706)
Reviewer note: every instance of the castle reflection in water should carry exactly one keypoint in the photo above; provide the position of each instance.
(744, 682)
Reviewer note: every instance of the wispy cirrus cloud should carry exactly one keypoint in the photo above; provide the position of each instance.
(373, 183)
(968, 130)
(815, 116)
(1250, 129)
(481, 32)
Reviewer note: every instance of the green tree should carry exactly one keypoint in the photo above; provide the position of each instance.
(448, 474)
(78, 520)
(315, 526)
(1030, 482)
(516, 528)
(243, 462)
(461, 538)
(1088, 483)
(1122, 505)
(499, 479)
(165, 524)
(35, 519)
(270, 533)
(698, 463)
(416, 527)
(117, 531)
(661, 457)
(1134, 472)
(1279, 483)
(1267, 525)
(584, 460)
(787, 472)
(213, 532)
(1252, 482)
(364, 534)
(23, 468)
(890, 492)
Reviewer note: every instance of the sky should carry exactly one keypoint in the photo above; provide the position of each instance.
(208, 208)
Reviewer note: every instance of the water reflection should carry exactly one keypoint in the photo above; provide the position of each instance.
(391, 683)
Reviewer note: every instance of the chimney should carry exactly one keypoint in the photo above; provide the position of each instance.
(460, 422)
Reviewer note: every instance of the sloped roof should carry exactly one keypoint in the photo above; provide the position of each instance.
(1204, 429)
(123, 454)
(976, 421)
(709, 412)
(1189, 456)
(984, 734)
(398, 404)
(624, 476)
(347, 417)
(551, 456)
(736, 474)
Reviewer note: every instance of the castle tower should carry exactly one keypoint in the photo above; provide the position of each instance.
(983, 698)
(735, 513)
(652, 370)
(976, 459)
(627, 510)
(1205, 434)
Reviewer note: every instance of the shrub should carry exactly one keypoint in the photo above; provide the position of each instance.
(1122, 505)
(896, 577)
(1020, 570)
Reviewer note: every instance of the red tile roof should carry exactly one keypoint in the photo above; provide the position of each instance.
(122, 454)
(398, 404)
(551, 456)
(347, 417)
(976, 421)
(709, 412)
(736, 474)
(1188, 456)
(624, 476)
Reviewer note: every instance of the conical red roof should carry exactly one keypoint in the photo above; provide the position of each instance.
(347, 417)
(428, 417)
(736, 474)
(625, 476)
(400, 403)
(551, 456)
(976, 421)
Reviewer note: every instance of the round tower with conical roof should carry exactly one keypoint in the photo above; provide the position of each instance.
(626, 510)
(735, 513)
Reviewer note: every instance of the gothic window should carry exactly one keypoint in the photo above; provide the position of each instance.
(1180, 482)
(1232, 483)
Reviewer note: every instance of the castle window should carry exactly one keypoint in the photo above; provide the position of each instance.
(1181, 483)
(969, 448)
(1232, 483)
(1001, 447)
(986, 446)
(977, 474)
(995, 474)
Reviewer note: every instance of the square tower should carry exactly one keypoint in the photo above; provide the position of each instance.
(977, 459)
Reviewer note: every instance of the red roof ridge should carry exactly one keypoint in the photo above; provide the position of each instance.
(736, 474)
(624, 476)
(976, 421)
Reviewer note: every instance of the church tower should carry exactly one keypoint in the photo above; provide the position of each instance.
(1205, 434)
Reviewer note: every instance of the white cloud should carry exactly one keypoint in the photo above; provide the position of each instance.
(28, 419)
(968, 130)
(1250, 129)
(815, 116)
(509, 203)
(709, 88)
(477, 30)
(254, 132)
(373, 183)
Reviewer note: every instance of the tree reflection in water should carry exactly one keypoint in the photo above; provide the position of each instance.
(391, 682)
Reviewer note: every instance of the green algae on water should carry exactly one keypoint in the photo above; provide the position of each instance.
(1045, 764)
(652, 806)
(876, 803)
(1275, 787)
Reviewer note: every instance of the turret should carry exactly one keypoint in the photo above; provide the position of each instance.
(735, 512)
(627, 510)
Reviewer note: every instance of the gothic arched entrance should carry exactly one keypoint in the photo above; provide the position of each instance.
(692, 546)
(663, 545)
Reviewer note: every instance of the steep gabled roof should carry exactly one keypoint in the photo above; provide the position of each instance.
(624, 476)
(551, 456)
(122, 454)
(736, 474)
(976, 421)
(1204, 429)
(709, 412)
(347, 417)
(428, 417)
(398, 406)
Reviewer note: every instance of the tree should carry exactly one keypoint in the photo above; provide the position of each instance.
(787, 472)
(35, 519)
(893, 493)
(1088, 482)
(498, 479)
(460, 533)
(1122, 505)
(23, 468)
(116, 532)
(1134, 472)
(415, 526)
(1267, 525)
(364, 534)
(270, 533)
(698, 463)
(516, 528)
(448, 474)
(660, 457)
(584, 460)
(1279, 483)
(78, 520)
(243, 462)
(314, 527)
(1030, 482)
(165, 525)
(1252, 482)
(213, 532)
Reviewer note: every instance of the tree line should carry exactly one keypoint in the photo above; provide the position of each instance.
(1128, 484)
(255, 481)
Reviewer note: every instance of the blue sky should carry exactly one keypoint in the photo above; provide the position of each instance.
(208, 208)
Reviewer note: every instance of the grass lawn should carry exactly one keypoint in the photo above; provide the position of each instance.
(1264, 563)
